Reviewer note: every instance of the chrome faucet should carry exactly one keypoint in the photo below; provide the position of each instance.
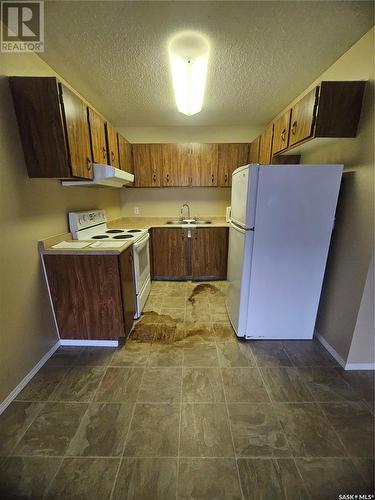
(182, 210)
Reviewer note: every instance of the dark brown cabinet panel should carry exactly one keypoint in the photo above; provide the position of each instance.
(170, 253)
(265, 146)
(112, 146)
(209, 253)
(53, 126)
(125, 154)
(176, 165)
(281, 133)
(148, 165)
(302, 118)
(90, 294)
(231, 156)
(204, 164)
(254, 151)
(78, 135)
(127, 288)
(98, 138)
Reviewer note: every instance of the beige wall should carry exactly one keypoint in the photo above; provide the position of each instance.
(362, 349)
(31, 209)
(353, 237)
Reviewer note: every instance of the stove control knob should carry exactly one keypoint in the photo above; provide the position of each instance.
(80, 220)
(84, 218)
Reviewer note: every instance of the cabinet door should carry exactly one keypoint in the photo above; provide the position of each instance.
(281, 133)
(204, 164)
(127, 288)
(231, 156)
(170, 253)
(125, 154)
(86, 295)
(112, 146)
(148, 165)
(98, 140)
(254, 151)
(303, 117)
(77, 133)
(265, 146)
(209, 252)
(176, 165)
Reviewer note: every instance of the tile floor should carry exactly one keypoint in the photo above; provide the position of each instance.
(184, 410)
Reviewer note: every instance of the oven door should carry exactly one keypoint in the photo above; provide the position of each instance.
(141, 254)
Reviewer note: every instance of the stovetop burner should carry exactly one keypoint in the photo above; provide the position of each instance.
(114, 231)
(123, 237)
(100, 237)
(134, 230)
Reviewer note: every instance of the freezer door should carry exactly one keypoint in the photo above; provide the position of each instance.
(239, 266)
(244, 191)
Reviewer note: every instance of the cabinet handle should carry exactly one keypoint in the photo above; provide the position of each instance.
(283, 134)
(212, 178)
(167, 177)
(154, 178)
(226, 178)
(89, 165)
(112, 155)
(104, 152)
(294, 127)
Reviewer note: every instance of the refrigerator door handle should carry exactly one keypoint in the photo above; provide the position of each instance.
(240, 229)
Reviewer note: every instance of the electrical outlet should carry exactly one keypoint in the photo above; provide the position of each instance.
(136, 210)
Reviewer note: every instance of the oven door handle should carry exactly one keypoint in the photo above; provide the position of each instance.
(142, 242)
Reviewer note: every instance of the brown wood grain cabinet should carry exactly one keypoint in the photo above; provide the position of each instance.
(302, 118)
(170, 253)
(231, 156)
(125, 154)
(93, 295)
(281, 133)
(176, 165)
(209, 253)
(265, 146)
(98, 137)
(112, 146)
(148, 165)
(198, 253)
(53, 126)
(204, 164)
(254, 151)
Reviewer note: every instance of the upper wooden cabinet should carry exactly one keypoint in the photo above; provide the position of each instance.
(98, 137)
(148, 164)
(176, 165)
(53, 126)
(204, 164)
(112, 146)
(254, 151)
(281, 133)
(125, 154)
(265, 146)
(302, 118)
(231, 156)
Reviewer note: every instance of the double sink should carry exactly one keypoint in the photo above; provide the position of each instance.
(192, 222)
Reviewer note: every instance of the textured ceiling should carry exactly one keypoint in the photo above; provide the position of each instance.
(263, 54)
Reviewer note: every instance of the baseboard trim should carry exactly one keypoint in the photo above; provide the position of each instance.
(89, 343)
(27, 378)
(360, 366)
(330, 349)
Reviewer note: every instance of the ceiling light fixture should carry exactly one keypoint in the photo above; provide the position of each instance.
(188, 56)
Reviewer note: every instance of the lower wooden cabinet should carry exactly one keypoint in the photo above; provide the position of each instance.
(209, 253)
(192, 253)
(93, 296)
(170, 253)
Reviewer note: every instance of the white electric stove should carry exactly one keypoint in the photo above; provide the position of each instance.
(92, 225)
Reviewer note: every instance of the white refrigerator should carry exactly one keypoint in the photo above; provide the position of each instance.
(281, 223)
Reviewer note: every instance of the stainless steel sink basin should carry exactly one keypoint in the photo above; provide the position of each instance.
(191, 222)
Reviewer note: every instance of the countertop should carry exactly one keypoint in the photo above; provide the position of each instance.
(45, 246)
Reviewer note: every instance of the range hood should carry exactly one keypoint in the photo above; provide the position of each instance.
(104, 175)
